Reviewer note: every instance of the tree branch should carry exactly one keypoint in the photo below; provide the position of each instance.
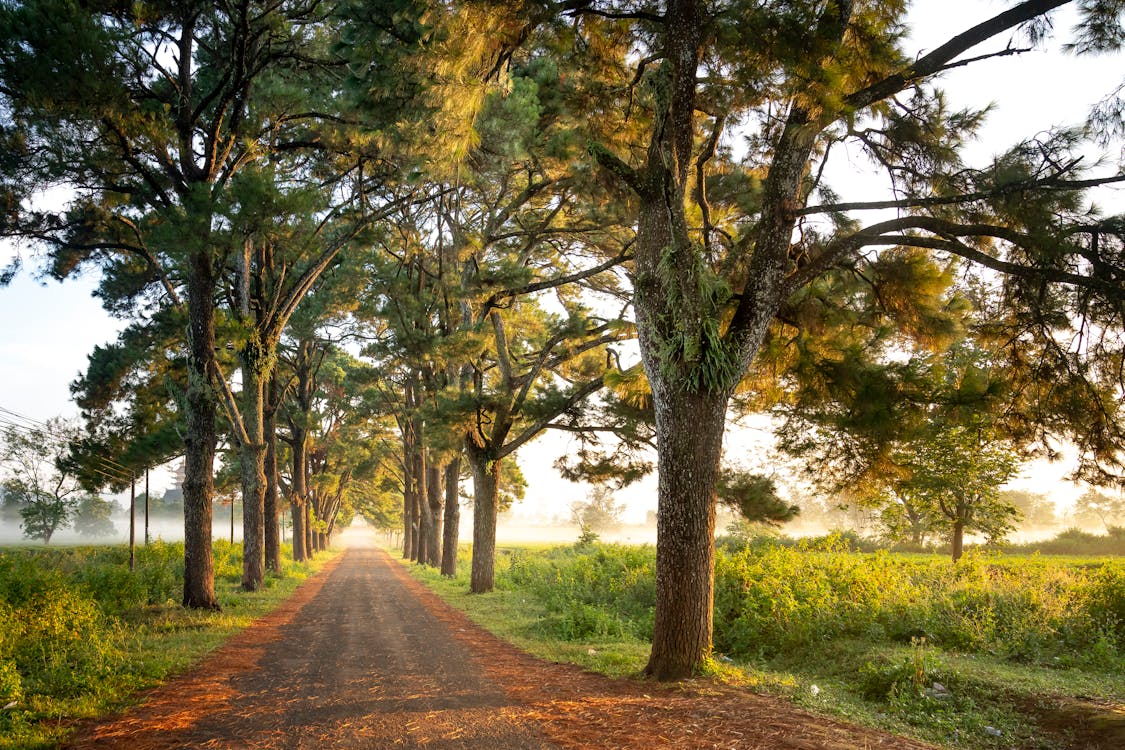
(1046, 183)
(940, 58)
(534, 429)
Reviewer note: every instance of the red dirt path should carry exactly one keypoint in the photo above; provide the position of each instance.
(363, 656)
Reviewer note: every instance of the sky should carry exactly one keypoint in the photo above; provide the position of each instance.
(48, 329)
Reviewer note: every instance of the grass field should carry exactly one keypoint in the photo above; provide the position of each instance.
(993, 652)
(80, 634)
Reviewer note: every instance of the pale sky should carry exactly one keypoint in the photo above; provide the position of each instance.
(47, 331)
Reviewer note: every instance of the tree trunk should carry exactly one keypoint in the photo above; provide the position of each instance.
(252, 455)
(408, 486)
(958, 539)
(310, 545)
(452, 518)
(422, 518)
(416, 531)
(297, 516)
(486, 483)
(299, 493)
(199, 439)
(433, 526)
(315, 524)
(692, 430)
(272, 506)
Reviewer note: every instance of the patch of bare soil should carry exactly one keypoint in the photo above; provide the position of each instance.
(363, 656)
(1081, 722)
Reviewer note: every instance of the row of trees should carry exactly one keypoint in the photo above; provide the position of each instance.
(482, 198)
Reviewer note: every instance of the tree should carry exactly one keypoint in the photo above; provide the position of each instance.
(37, 476)
(955, 474)
(1036, 509)
(923, 441)
(158, 117)
(93, 517)
(598, 513)
(143, 110)
(483, 368)
(1096, 509)
(723, 244)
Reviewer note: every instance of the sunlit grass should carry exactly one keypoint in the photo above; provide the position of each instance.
(863, 636)
(138, 635)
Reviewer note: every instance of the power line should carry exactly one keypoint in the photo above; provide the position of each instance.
(103, 466)
(46, 428)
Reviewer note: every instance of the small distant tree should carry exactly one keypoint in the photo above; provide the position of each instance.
(38, 477)
(904, 516)
(1097, 509)
(956, 476)
(93, 517)
(1036, 509)
(598, 513)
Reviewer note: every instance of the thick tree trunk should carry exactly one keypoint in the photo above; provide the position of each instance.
(691, 427)
(433, 511)
(418, 537)
(252, 458)
(486, 483)
(199, 440)
(310, 536)
(272, 504)
(452, 518)
(299, 490)
(407, 525)
(422, 518)
(407, 496)
(958, 539)
(297, 516)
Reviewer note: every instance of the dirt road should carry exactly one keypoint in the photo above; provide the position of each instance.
(365, 657)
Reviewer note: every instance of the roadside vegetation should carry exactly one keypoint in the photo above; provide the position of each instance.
(991, 651)
(80, 634)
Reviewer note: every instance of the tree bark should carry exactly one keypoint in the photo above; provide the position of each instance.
(433, 512)
(958, 539)
(315, 521)
(409, 486)
(272, 506)
(299, 492)
(692, 430)
(252, 455)
(422, 518)
(486, 483)
(199, 438)
(310, 535)
(452, 517)
(297, 516)
(407, 506)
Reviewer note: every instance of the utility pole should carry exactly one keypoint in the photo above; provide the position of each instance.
(146, 506)
(133, 523)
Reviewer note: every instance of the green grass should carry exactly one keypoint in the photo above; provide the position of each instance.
(80, 635)
(1024, 644)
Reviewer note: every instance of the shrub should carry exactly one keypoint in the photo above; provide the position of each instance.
(59, 639)
(595, 590)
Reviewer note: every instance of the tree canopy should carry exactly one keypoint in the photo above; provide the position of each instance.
(424, 232)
